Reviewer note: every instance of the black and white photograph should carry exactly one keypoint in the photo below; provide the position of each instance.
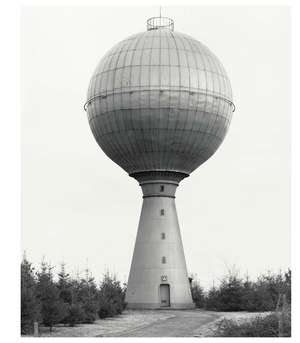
(155, 170)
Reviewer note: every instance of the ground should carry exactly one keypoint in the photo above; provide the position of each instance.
(150, 323)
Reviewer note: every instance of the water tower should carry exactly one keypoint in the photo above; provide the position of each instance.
(159, 105)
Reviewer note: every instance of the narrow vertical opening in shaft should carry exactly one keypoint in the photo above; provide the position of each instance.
(164, 295)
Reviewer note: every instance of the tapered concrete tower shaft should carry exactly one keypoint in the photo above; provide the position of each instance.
(158, 275)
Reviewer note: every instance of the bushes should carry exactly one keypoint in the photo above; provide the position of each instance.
(268, 326)
(230, 294)
(237, 294)
(74, 315)
(67, 301)
(30, 307)
(198, 295)
(256, 327)
(86, 293)
(53, 308)
(111, 297)
(90, 312)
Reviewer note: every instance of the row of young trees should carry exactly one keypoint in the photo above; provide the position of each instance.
(240, 294)
(66, 300)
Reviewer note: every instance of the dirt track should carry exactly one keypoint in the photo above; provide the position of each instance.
(150, 323)
(182, 324)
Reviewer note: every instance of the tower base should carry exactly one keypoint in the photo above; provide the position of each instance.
(158, 276)
(157, 306)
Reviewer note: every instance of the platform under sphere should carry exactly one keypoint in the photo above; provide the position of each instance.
(159, 101)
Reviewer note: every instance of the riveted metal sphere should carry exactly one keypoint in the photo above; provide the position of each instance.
(159, 101)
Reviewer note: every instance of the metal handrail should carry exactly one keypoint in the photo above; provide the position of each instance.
(154, 23)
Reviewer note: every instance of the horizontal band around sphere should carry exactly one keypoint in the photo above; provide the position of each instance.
(161, 90)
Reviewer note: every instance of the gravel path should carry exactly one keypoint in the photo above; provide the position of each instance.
(180, 324)
(127, 321)
(150, 323)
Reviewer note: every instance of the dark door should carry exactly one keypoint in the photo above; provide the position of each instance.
(164, 295)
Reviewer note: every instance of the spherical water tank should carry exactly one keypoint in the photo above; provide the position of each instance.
(159, 101)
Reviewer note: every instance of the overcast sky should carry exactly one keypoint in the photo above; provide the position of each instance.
(79, 205)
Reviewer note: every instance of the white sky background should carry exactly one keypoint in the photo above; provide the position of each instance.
(78, 204)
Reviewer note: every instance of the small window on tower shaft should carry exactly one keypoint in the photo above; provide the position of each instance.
(162, 212)
(162, 188)
(163, 260)
(163, 235)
